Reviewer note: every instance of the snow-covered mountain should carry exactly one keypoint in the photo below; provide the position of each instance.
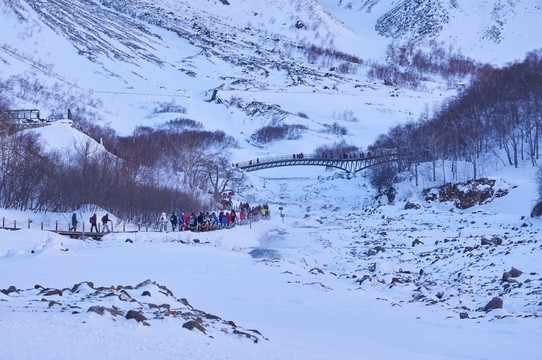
(492, 31)
(116, 61)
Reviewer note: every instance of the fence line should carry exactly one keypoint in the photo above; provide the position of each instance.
(5, 224)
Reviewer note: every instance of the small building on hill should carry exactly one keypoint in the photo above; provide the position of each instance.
(23, 115)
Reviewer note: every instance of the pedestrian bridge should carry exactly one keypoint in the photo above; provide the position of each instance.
(349, 163)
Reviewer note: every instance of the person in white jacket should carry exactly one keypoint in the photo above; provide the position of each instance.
(163, 222)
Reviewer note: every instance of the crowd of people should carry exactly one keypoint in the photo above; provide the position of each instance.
(93, 220)
(350, 155)
(207, 221)
(204, 221)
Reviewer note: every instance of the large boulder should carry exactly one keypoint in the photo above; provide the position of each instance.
(190, 325)
(495, 303)
(132, 314)
(537, 210)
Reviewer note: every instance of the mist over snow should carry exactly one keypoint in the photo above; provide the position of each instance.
(345, 273)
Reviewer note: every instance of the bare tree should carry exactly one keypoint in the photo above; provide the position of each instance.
(223, 177)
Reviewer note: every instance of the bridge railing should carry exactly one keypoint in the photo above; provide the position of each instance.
(274, 159)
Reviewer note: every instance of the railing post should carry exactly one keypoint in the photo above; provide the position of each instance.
(138, 227)
(42, 225)
(29, 221)
(3, 222)
(56, 226)
(14, 224)
(124, 227)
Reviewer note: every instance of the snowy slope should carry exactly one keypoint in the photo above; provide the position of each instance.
(492, 31)
(117, 61)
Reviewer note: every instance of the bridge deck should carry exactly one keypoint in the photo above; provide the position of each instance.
(351, 164)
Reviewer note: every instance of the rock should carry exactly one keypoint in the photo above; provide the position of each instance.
(463, 315)
(495, 240)
(132, 314)
(52, 303)
(417, 242)
(190, 325)
(371, 252)
(247, 335)
(129, 241)
(146, 293)
(52, 292)
(144, 283)
(299, 24)
(412, 206)
(100, 310)
(97, 309)
(505, 276)
(515, 272)
(537, 210)
(495, 303)
(76, 287)
(9, 290)
(316, 271)
(232, 324)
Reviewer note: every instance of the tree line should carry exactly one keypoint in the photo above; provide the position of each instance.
(174, 167)
(500, 112)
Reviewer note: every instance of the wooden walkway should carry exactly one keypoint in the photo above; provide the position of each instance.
(85, 234)
(98, 235)
(74, 234)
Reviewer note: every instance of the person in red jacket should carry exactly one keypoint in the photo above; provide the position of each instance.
(228, 219)
(94, 222)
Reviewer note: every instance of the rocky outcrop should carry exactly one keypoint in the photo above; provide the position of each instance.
(414, 19)
(468, 194)
(128, 302)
